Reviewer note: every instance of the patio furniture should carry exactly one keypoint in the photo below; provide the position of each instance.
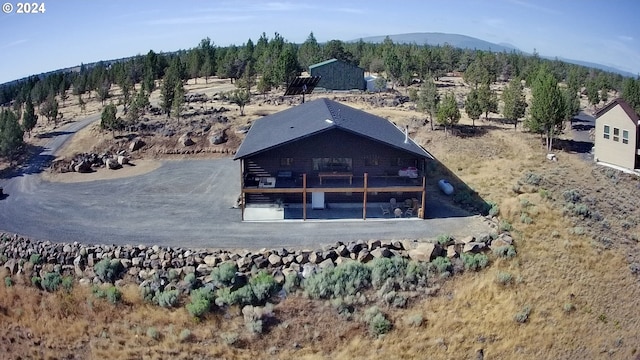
(385, 210)
(408, 212)
(336, 175)
(393, 203)
(267, 182)
(397, 212)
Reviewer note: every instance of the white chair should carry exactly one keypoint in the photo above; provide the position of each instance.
(385, 210)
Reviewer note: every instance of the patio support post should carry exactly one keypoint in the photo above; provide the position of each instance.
(364, 199)
(424, 196)
(304, 196)
(242, 200)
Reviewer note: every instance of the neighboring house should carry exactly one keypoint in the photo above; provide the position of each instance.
(617, 138)
(324, 152)
(374, 84)
(338, 75)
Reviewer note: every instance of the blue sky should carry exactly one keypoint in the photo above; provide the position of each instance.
(71, 32)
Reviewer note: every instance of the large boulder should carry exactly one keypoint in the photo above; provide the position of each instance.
(82, 167)
(219, 138)
(185, 140)
(136, 144)
(424, 252)
(113, 164)
(122, 159)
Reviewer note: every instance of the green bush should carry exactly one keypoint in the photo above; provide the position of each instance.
(185, 335)
(442, 264)
(201, 301)
(525, 218)
(377, 322)
(224, 274)
(263, 286)
(153, 333)
(172, 274)
(443, 239)
(523, 315)
(474, 262)
(51, 281)
(532, 179)
(36, 281)
(416, 272)
(191, 279)
(8, 282)
(494, 209)
(67, 283)
(507, 251)
(291, 281)
(505, 225)
(111, 293)
(35, 259)
(108, 270)
(571, 196)
(383, 269)
(167, 298)
(504, 278)
(345, 279)
(3, 259)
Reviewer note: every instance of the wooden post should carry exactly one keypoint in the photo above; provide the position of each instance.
(304, 196)
(364, 199)
(424, 196)
(242, 199)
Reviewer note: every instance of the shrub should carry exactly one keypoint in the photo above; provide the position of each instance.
(505, 225)
(544, 194)
(3, 259)
(229, 338)
(291, 281)
(201, 300)
(224, 274)
(254, 326)
(377, 322)
(532, 179)
(443, 239)
(191, 279)
(504, 278)
(67, 283)
(51, 281)
(523, 315)
(153, 333)
(568, 307)
(525, 218)
(263, 286)
(395, 299)
(417, 272)
(442, 264)
(387, 268)
(345, 279)
(414, 320)
(571, 196)
(185, 335)
(494, 209)
(507, 251)
(35, 259)
(111, 293)
(8, 282)
(36, 281)
(167, 298)
(172, 274)
(108, 270)
(474, 262)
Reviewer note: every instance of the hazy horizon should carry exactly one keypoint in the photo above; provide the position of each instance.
(73, 32)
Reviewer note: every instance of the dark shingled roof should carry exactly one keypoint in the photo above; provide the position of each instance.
(317, 116)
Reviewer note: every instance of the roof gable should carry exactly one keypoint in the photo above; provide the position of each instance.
(318, 116)
(631, 114)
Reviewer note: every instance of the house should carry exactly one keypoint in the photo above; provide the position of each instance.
(373, 84)
(323, 152)
(617, 136)
(338, 75)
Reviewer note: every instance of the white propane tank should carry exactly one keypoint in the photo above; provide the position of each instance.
(445, 187)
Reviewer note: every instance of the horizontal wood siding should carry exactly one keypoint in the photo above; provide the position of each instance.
(334, 143)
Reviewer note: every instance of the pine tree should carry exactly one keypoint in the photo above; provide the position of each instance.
(472, 106)
(488, 100)
(11, 134)
(428, 99)
(30, 118)
(514, 102)
(547, 106)
(448, 112)
(178, 100)
(108, 120)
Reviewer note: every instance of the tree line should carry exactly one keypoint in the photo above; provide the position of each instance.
(273, 62)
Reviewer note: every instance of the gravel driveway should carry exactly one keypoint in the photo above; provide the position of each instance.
(184, 203)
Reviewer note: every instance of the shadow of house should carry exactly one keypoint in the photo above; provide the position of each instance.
(53, 134)
(573, 146)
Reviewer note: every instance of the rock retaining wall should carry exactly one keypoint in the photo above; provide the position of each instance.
(141, 263)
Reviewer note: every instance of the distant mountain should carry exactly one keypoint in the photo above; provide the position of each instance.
(435, 38)
(468, 42)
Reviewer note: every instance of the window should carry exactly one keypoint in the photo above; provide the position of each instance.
(332, 164)
(371, 160)
(625, 136)
(286, 161)
(606, 131)
(616, 134)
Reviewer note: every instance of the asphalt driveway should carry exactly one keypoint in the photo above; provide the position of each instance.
(185, 203)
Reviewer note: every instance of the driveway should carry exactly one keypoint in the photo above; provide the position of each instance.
(186, 203)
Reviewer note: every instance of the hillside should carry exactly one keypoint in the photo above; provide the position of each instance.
(436, 38)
